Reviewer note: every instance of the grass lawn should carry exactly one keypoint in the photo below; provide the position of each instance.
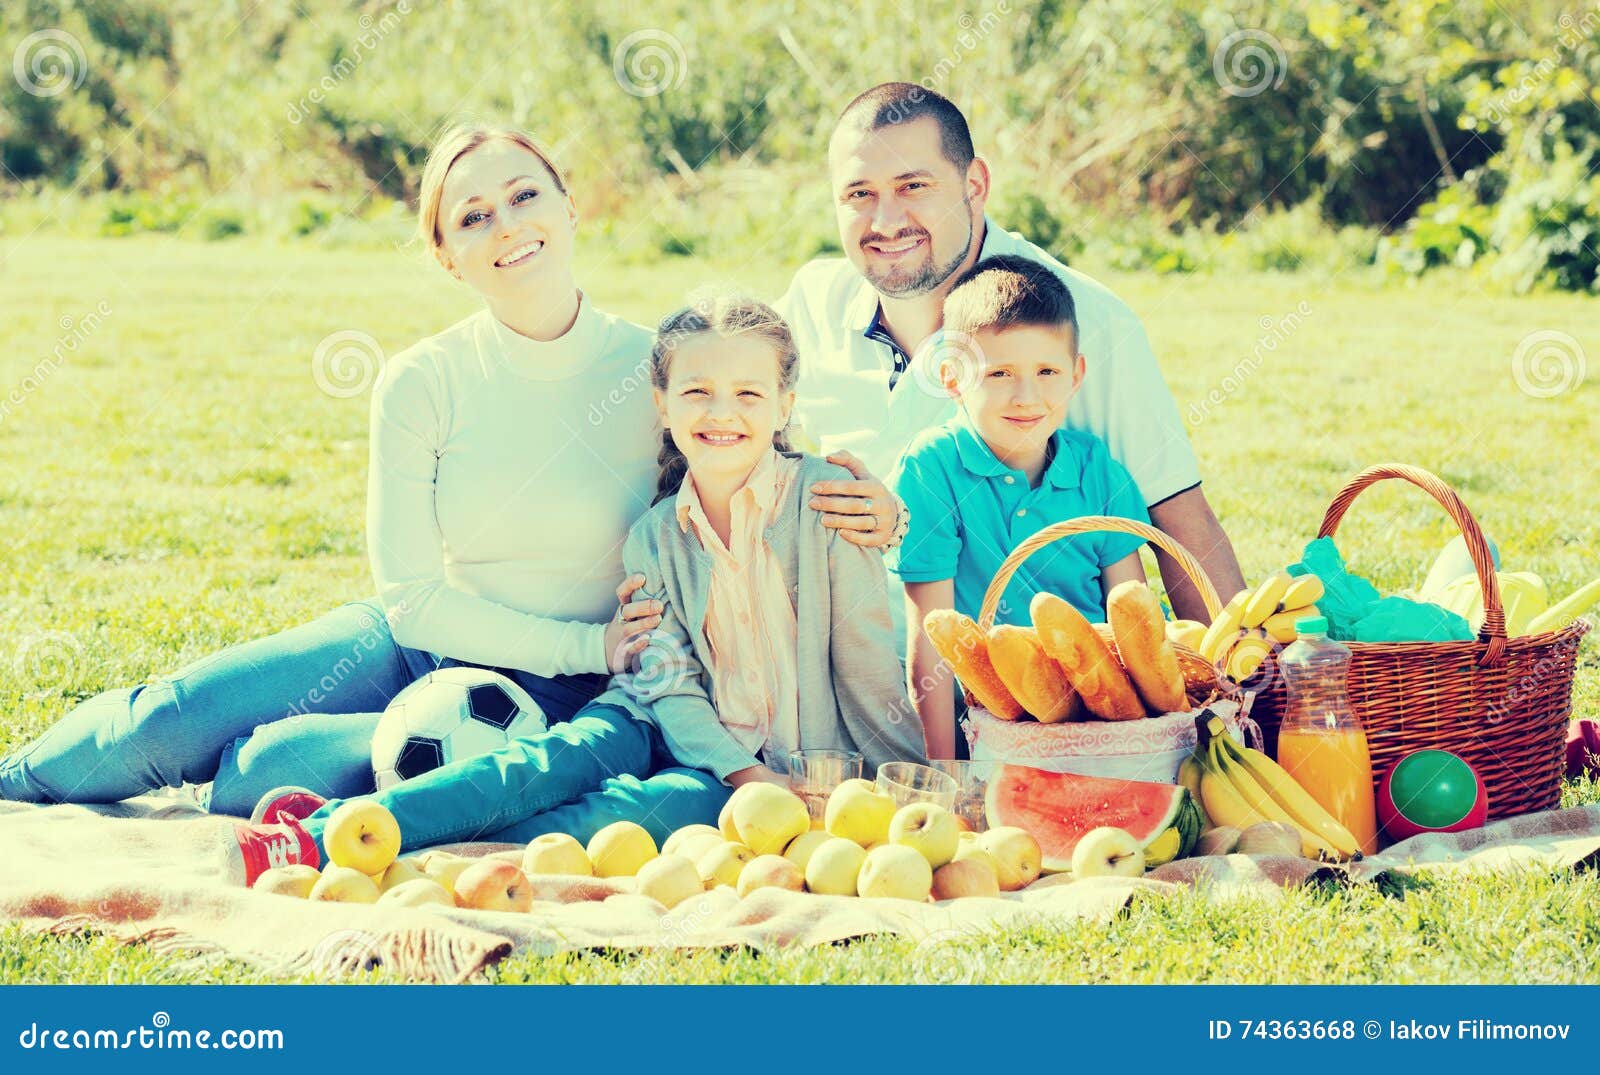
(173, 480)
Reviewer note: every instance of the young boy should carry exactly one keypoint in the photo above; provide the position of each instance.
(1002, 470)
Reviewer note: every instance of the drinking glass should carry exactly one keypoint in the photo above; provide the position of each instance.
(813, 774)
(908, 782)
(972, 793)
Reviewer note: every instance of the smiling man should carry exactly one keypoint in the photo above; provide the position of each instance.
(909, 193)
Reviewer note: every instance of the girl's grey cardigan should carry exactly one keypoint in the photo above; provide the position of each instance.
(851, 686)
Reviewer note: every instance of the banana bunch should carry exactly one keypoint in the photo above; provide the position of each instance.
(1243, 787)
(1244, 632)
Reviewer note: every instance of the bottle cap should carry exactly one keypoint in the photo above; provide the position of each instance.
(1311, 625)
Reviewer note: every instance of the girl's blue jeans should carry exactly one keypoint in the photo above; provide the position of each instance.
(300, 707)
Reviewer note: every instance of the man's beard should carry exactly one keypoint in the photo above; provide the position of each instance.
(907, 283)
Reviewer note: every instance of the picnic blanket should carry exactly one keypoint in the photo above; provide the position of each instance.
(154, 870)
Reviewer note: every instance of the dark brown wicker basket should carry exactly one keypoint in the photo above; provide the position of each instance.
(1501, 703)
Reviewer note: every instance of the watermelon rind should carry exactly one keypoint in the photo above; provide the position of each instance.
(1059, 808)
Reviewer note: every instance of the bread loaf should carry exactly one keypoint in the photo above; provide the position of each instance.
(1033, 679)
(1087, 661)
(962, 645)
(1147, 656)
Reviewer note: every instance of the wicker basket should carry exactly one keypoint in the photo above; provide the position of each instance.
(1202, 683)
(1501, 703)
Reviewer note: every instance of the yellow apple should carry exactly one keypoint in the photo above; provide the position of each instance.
(419, 892)
(493, 885)
(296, 880)
(619, 849)
(671, 879)
(770, 871)
(725, 825)
(1107, 852)
(363, 835)
(833, 868)
(556, 853)
(344, 884)
(399, 872)
(445, 868)
(965, 877)
(897, 872)
(972, 851)
(767, 817)
(680, 835)
(928, 829)
(723, 864)
(858, 811)
(695, 847)
(1017, 854)
(800, 848)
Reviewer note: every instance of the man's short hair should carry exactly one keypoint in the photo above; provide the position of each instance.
(890, 104)
(1005, 291)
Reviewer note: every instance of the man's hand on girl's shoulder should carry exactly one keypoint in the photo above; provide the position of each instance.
(863, 510)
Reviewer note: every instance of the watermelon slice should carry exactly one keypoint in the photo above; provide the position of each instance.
(1059, 808)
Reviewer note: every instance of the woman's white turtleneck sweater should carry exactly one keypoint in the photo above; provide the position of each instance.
(505, 473)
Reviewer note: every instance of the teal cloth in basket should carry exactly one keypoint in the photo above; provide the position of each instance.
(1356, 612)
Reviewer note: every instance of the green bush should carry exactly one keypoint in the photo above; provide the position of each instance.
(1547, 226)
(1543, 231)
(1234, 130)
(1452, 229)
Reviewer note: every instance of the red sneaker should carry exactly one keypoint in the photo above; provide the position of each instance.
(295, 801)
(263, 847)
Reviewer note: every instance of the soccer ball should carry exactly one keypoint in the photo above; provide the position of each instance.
(449, 715)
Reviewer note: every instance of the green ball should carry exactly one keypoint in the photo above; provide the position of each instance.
(1433, 788)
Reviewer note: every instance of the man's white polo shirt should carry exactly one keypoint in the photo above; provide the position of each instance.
(844, 402)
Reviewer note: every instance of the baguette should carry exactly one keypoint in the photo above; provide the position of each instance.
(1094, 673)
(1141, 634)
(962, 645)
(1031, 676)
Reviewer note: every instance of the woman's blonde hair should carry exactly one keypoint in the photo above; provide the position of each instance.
(727, 314)
(452, 145)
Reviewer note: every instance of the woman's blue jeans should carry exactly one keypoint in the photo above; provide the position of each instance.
(300, 707)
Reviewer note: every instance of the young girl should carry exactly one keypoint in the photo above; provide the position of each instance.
(776, 633)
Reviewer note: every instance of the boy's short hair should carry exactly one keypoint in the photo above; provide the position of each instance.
(1005, 291)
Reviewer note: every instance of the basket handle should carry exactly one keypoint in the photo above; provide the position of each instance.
(1493, 631)
(1089, 524)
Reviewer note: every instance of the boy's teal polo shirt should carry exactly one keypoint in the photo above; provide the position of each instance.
(969, 511)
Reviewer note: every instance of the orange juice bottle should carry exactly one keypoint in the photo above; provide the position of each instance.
(1321, 742)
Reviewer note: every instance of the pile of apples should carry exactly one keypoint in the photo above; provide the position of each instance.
(763, 839)
(866, 847)
(363, 844)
